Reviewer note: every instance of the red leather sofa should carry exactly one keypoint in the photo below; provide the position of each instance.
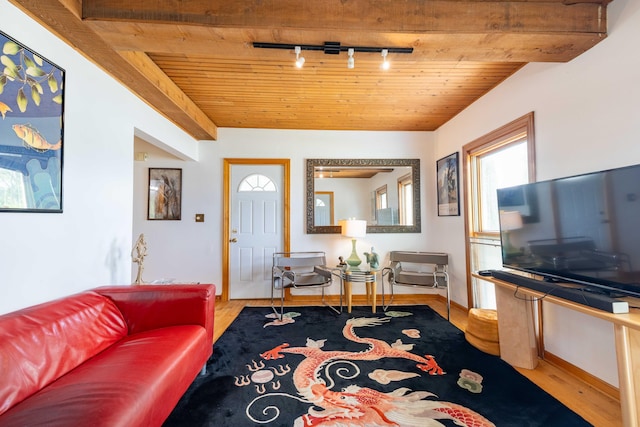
(111, 356)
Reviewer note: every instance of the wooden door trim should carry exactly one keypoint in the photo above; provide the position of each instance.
(226, 208)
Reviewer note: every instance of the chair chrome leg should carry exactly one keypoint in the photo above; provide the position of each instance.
(448, 306)
(448, 302)
(325, 303)
(446, 282)
(273, 306)
(385, 307)
(281, 304)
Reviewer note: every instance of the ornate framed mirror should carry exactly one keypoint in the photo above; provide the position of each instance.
(384, 192)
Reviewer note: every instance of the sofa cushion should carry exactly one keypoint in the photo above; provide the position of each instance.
(41, 343)
(154, 306)
(136, 382)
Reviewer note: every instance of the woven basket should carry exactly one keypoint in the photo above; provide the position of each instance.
(482, 330)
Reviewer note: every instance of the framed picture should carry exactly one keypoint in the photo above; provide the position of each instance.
(448, 188)
(31, 130)
(165, 194)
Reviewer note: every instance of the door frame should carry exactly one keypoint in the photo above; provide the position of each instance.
(226, 210)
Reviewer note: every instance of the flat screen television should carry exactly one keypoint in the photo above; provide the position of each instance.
(582, 229)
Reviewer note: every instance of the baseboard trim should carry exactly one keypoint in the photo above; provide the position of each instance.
(357, 299)
(583, 375)
(361, 299)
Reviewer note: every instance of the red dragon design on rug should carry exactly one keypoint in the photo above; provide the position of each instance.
(361, 406)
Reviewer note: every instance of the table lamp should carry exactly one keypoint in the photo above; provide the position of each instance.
(353, 228)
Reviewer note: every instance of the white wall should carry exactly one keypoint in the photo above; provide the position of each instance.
(45, 256)
(351, 197)
(189, 251)
(586, 119)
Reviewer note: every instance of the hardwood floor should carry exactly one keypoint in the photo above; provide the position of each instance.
(593, 405)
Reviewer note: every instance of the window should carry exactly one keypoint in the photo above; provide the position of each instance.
(405, 193)
(13, 193)
(499, 159)
(257, 182)
(381, 198)
(500, 167)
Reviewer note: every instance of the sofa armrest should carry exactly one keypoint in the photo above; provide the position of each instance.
(146, 307)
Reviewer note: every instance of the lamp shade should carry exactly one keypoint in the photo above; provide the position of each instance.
(510, 220)
(353, 227)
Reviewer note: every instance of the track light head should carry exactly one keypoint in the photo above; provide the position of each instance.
(385, 64)
(350, 61)
(334, 48)
(299, 59)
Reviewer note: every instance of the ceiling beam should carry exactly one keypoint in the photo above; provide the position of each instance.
(158, 91)
(449, 30)
(178, 102)
(225, 43)
(417, 16)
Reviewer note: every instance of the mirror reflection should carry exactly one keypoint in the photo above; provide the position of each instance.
(384, 192)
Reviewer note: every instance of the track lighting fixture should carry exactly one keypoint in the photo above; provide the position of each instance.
(299, 59)
(334, 48)
(385, 64)
(350, 62)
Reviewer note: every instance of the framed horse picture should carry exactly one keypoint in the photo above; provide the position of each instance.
(165, 194)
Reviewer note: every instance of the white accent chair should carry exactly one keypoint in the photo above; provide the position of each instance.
(302, 270)
(417, 269)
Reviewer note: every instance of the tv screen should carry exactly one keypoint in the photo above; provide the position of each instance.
(582, 229)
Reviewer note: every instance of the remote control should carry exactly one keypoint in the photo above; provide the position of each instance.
(485, 272)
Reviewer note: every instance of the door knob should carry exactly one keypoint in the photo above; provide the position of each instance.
(233, 240)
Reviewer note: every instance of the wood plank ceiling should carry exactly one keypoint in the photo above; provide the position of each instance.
(194, 60)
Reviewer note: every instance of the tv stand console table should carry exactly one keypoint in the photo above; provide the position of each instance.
(518, 340)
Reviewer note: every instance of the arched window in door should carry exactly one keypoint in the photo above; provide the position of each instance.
(257, 182)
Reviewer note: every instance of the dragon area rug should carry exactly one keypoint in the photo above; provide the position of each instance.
(406, 367)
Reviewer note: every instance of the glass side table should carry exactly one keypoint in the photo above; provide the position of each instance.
(360, 275)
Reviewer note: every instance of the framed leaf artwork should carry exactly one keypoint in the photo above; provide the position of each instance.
(31, 130)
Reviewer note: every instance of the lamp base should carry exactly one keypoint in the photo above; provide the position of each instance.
(353, 260)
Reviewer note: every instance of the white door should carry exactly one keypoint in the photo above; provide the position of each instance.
(256, 212)
(323, 209)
